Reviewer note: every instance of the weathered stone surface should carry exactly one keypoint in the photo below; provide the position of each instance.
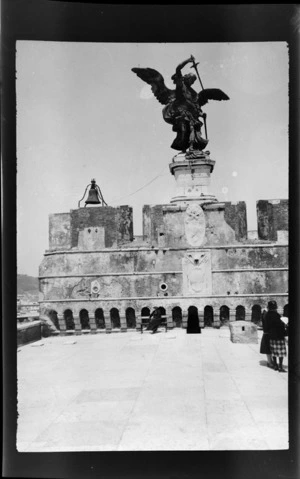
(91, 238)
(250, 282)
(116, 222)
(196, 266)
(60, 231)
(47, 327)
(194, 223)
(192, 178)
(170, 222)
(272, 215)
(243, 332)
(28, 332)
(90, 228)
(124, 273)
(129, 273)
(235, 215)
(218, 232)
(250, 256)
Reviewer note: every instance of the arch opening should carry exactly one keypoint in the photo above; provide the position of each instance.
(130, 318)
(115, 318)
(145, 313)
(256, 314)
(240, 313)
(177, 317)
(84, 319)
(224, 316)
(99, 318)
(193, 326)
(208, 316)
(54, 318)
(69, 320)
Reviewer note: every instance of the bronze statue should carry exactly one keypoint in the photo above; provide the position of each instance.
(183, 105)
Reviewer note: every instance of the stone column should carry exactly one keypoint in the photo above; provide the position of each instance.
(92, 321)
(216, 322)
(77, 325)
(169, 318)
(184, 318)
(123, 324)
(107, 319)
(62, 324)
(201, 318)
(138, 320)
(248, 315)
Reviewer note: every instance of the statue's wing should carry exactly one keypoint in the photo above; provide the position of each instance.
(211, 94)
(156, 80)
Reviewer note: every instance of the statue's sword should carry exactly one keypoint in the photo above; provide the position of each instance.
(195, 67)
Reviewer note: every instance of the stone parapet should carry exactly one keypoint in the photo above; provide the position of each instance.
(272, 217)
(29, 332)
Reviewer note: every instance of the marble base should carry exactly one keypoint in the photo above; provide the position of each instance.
(192, 176)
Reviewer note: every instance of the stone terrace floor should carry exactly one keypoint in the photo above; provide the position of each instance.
(142, 392)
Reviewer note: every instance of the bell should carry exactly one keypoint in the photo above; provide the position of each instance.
(93, 198)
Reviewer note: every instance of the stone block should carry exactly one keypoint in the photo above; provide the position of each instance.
(59, 231)
(243, 332)
(272, 216)
(113, 225)
(91, 238)
(235, 215)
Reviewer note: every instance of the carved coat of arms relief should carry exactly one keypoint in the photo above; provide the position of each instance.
(196, 268)
(194, 224)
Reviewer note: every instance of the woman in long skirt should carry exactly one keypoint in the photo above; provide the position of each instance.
(276, 329)
(265, 341)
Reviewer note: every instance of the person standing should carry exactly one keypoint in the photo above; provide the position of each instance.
(265, 341)
(276, 329)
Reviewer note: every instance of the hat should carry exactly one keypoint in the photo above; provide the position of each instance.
(272, 305)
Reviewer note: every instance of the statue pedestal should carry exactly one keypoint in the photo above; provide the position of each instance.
(192, 176)
(204, 214)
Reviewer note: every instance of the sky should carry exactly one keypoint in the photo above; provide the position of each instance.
(82, 114)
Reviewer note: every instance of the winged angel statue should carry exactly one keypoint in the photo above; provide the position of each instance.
(182, 105)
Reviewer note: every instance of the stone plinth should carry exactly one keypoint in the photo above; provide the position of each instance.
(243, 332)
(192, 176)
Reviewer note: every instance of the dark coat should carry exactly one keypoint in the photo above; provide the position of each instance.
(155, 320)
(273, 325)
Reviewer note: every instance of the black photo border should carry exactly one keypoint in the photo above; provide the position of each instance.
(91, 21)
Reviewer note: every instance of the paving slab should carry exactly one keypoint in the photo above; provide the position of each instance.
(144, 392)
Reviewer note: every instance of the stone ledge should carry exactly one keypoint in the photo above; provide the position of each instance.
(29, 332)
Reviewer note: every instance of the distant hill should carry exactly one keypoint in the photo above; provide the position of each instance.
(27, 285)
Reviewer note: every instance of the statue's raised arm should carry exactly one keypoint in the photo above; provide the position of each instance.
(183, 104)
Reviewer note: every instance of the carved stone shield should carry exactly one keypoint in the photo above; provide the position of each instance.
(196, 269)
(194, 224)
(95, 287)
